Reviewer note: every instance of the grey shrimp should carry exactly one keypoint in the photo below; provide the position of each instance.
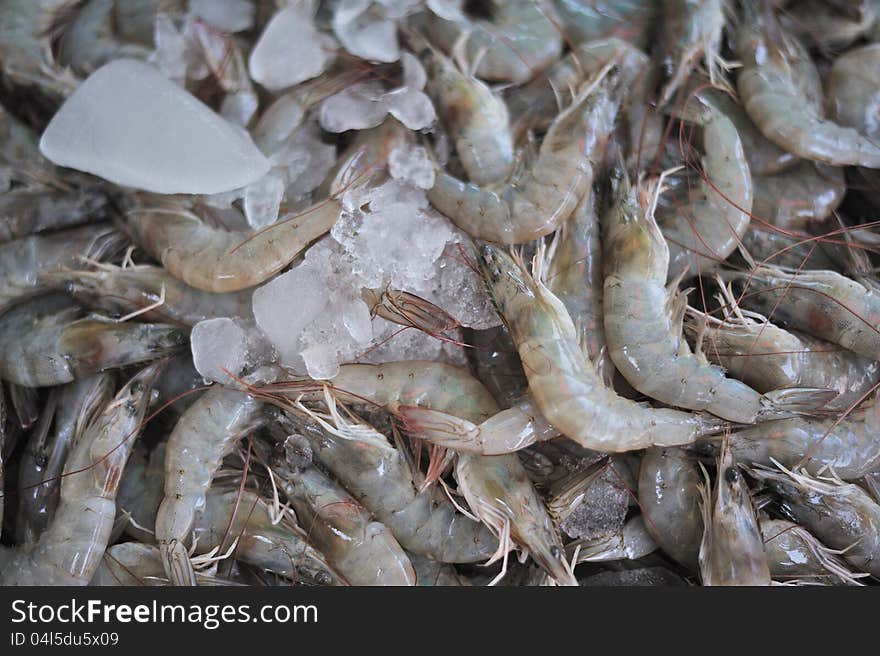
(774, 96)
(669, 497)
(795, 554)
(643, 324)
(732, 550)
(843, 516)
(563, 383)
(537, 204)
(203, 435)
(709, 223)
(70, 549)
(362, 550)
(51, 348)
(378, 476)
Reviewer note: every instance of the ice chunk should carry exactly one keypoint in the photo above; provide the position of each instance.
(170, 53)
(452, 10)
(290, 51)
(411, 107)
(262, 200)
(239, 108)
(285, 305)
(226, 15)
(129, 124)
(231, 344)
(363, 34)
(358, 107)
(411, 165)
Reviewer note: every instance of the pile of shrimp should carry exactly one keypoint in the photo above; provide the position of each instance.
(671, 205)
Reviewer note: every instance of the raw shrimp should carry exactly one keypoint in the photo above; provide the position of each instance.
(280, 547)
(70, 549)
(798, 197)
(360, 549)
(631, 542)
(820, 24)
(587, 20)
(140, 494)
(431, 573)
(843, 516)
(508, 431)
(774, 96)
(39, 474)
(574, 275)
(204, 434)
(409, 310)
(823, 303)
(476, 120)
(34, 209)
(548, 193)
(214, 260)
(509, 40)
(563, 383)
(709, 223)
(25, 55)
(436, 386)
(852, 89)
(51, 348)
(670, 501)
(392, 384)
(643, 323)
(764, 157)
(22, 261)
(379, 477)
(732, 550)
(769, 245)
(537, 103)
(793, 553)
(499, 492)
(125, 291)
(88, 39)
(766, 357)
(136, 564)
(849, 445)
(691, 31)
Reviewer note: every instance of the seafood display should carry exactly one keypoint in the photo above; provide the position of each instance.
(439, 293)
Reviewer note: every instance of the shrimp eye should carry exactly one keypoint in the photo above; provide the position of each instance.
(731, 475)
(555, 551)
(323, 578)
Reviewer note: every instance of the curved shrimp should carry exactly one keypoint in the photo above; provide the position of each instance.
(51, 348)
(843, 516)
(512, 42)
(39, 472)
(852, 87)
(280, 547)
(775, 98)
(448, 389)
(563, 383)
(490, 485)
(670, 501)
(34, 209)
(378, 476)
(643, 325)
(137, 564)
(709, 225)
(586, 20)
(140, 494)
(131, 290)
(476, 120)
(25, 55)
(23, 261)
(203, 435)
(849, 445)
(362, 550)
(767, 357)
(215, 260)
(691, 31)
(732, 549)
(825, 304)
(799, 197)
(631, 542)
(794, 553)
(70, 549)
(536, 205)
